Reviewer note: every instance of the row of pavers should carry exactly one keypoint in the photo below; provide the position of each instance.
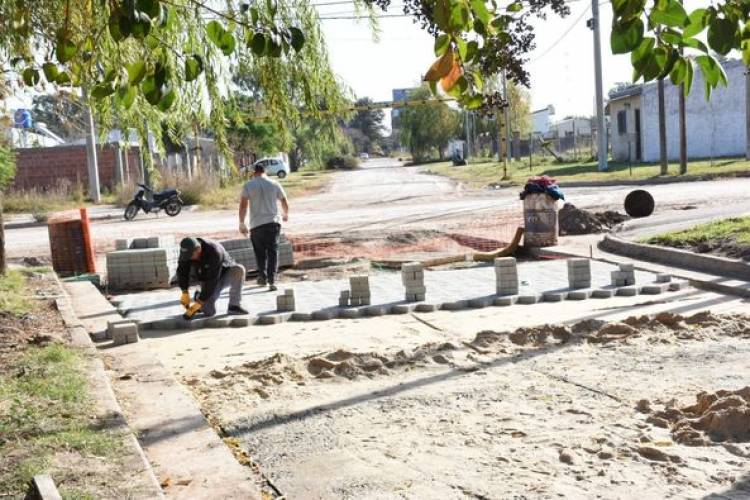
(355, 302)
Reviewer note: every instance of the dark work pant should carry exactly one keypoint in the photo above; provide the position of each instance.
(265, 240)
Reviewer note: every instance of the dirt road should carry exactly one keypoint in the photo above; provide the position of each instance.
(385, 196)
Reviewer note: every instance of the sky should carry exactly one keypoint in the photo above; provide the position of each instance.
(561, 67)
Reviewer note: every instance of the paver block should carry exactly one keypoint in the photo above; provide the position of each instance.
(377, 310)
(675, 286)
(507, 300)
(528, 299)
(579, 294)
(124, 333)
(505, 262)
(663, 278)
(554, 296)
(629, 267)
(224, 322)
(301, 316)
(403, 308)
(273, 319)
(241, 321)
(458, 305)
(426, 308)
(350, 313)
(603, 293)
(655, 289)
(324, 315)
(480, 302)
(627, 291)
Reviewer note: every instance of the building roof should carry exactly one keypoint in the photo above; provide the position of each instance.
(626, 92)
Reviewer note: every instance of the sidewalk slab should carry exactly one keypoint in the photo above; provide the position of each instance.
(183, 449)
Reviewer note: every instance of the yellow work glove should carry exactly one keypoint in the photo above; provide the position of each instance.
(192, 310)
(185, 299)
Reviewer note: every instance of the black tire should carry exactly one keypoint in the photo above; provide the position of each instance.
(639, 203)
(281, 174)
(173, 208)
(131, 211)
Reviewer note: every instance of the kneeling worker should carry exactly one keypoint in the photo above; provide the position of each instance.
(215, 270)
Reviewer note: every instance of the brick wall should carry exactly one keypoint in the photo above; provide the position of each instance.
(42, 168)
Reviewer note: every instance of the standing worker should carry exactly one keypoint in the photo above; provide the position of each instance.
(215, 270)
(264, 196)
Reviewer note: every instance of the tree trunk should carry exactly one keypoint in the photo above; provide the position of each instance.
(2, 243)
(683, 132)
(662, 129)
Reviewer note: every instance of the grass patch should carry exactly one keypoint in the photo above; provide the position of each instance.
(735, 229)
(44, 410)
(12, 289)
(480, 173)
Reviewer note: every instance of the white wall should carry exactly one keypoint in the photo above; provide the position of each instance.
(715, 128)
(541, 121)
(624, 145)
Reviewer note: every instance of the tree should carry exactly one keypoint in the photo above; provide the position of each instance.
(429, 127)
(63, 113)
(7, 172)
(369, 123)
(520, 109)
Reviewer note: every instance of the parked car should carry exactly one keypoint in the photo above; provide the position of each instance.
(274, 166)
(364, 156)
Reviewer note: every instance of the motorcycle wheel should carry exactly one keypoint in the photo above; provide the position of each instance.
(130, 211)
(173, 208)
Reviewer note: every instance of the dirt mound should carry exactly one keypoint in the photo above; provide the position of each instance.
(574, 220)
(669, 327)
(723, 416)
(538, 335)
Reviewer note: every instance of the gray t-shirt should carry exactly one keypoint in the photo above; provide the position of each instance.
(264, 195)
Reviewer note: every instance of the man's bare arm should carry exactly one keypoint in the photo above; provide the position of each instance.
(243, 214)
(285, 206)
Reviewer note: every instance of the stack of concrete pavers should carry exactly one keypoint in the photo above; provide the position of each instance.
(142, 263)
(122, 331)
(506, 276)
(241, 250)
(625, 276)
(412, 276)
(359, 291)
(579, 273)
(285, 302)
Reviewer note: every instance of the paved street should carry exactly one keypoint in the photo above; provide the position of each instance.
(386, 196)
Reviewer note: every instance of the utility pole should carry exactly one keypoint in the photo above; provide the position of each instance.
(683, 131)
(468, 139)
(662, 128)
(91, 161)
(594, 25)
(506, 121)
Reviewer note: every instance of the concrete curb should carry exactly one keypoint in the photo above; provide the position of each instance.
(655, 181)
(674, 257)
(80, 338)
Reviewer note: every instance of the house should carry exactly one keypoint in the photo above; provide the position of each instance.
(715, 127)
(571, 126)
(541, 120)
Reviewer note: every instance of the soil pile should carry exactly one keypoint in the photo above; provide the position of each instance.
(574, 220)
(537, 336)
(723, 416)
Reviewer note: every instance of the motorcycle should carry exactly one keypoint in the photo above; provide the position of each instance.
(150, 202)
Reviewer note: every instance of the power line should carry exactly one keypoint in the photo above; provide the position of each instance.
(380, 16)
(561, 37)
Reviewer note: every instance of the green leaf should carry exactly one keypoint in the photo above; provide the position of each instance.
(515, 7)
(30, 77)
(472, 50)
(710, 69)
(689, 77)
(478, 81)
(151, 91)
(626, 36)
(193, 67)
(722, 35)
(672, 14)
(480, 11)
(136, 72)
(670, 37)
(460, 16)
(441, 44)
(169, 98)
(746, 52)
(126, 96)
(693, 43)
(102, 90)
(461, 46)
(698, 22)
(214, 32)
(228, 43)
(142, 26)
(150, 7)
(66, 49)
(473, 102)
(644, 50)
(274, 46)
(50, 72)
(260, 43)
(298, 38)
(679, 71)
(63, 78)
(114, 27)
